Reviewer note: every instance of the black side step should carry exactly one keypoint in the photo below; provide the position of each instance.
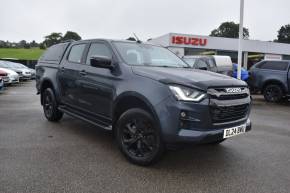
(79, 116)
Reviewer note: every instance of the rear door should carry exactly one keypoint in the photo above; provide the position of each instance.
(256, 75)
(69, 75)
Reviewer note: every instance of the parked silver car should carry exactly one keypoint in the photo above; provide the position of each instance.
(32, 71)
(28, 73)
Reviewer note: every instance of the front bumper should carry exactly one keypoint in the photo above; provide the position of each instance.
(25, 77)
(12, 79)
(195, 136)
(198, 126)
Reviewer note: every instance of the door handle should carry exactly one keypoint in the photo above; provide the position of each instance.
(83, 73)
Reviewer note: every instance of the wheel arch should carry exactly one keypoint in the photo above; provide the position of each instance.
(273, 81)
(129, 100)
(46, 83)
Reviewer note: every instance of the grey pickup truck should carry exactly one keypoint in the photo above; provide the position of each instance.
(144, 93)
(272, 78)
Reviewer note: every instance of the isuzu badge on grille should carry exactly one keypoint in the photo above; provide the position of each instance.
(233, 90)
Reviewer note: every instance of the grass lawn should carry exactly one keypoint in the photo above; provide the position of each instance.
(21, 53)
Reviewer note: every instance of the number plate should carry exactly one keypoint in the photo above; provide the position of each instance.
(234, 131)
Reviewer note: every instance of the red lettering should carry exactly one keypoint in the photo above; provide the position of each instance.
(188, 40)
(195, 41)
(202, 42)
(179, 40)
(173, 40)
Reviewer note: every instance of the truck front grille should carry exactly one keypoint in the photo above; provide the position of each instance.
(223, 94)
(231, 97)
(221, 114)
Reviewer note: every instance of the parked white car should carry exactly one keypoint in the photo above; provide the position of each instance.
(12, 75)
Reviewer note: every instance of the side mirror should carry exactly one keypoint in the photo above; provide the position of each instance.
(101, 62)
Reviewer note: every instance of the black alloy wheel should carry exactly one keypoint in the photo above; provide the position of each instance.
(50, 107)
(138, 137)
(273, 93)
(47, 105)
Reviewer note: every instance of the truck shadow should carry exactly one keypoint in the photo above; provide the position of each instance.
(191, 157)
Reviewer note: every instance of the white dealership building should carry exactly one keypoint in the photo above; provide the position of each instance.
(253, 50)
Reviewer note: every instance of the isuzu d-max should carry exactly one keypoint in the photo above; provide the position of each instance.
(144, 93)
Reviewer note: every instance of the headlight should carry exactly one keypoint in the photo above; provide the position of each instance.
(187, 94)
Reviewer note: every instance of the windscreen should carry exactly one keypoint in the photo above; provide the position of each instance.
(13, 65)
(190, 61)
(138, 54)
(4, 65)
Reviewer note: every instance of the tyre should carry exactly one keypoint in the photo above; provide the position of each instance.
(138, 137)
(50, 107)
(273, 93)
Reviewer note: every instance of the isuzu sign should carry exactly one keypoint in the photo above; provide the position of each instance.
(188, 40)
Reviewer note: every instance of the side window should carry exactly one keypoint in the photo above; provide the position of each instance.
(76, 53)
(54, 53)
(201, 64)
(211, 63)
(260, 64)
(275, 65)
(98, 49)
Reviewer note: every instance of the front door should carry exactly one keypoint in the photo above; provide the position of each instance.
(97, 84)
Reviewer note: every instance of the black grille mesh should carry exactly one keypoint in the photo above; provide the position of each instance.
(222, 114)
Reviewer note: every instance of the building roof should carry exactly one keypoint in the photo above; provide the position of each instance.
(220, 43)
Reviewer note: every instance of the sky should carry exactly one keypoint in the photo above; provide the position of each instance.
(119, 19)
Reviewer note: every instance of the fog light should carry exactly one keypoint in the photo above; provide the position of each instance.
(183, 114)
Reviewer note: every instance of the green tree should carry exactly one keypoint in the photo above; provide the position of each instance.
(70, 35)
(42, 46)
(229, 30)
(23, 44)
(33, 44)
(284, 34)
(3, 44)
(53, 38)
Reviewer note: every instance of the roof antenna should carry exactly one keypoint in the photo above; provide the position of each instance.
(137, 39)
